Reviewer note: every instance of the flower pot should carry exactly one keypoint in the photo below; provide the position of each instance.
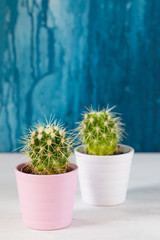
(46, 200)
(104, 179)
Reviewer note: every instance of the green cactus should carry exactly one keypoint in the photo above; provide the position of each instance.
(100, 131)
(48, 146)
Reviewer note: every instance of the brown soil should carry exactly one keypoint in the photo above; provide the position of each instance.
(117, 153)
(29, 170)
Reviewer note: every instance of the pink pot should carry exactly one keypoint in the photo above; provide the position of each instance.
(46, 200)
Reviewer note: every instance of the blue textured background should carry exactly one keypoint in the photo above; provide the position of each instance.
(57, 56)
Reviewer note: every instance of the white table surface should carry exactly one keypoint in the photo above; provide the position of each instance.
(138, 218)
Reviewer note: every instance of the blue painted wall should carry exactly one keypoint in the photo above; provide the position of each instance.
(57, 56)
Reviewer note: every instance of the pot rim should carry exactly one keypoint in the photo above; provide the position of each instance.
(131, 151)
(75, 168)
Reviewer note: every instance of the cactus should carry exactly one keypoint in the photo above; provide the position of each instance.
(48, 146)
(100, 131)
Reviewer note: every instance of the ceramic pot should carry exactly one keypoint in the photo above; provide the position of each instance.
(104, 179)
(46, 200)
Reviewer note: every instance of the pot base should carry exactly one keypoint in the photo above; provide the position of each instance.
(47, 228)
(104, 205)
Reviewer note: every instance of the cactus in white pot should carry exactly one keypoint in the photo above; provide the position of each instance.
(100, 131)
(104, 163)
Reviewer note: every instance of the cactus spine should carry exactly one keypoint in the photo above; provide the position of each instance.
(100, 131)
(48, 146)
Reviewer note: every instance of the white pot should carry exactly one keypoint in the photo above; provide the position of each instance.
(104, 179)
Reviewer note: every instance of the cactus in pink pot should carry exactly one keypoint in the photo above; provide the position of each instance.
(48, 146)
(47, 182)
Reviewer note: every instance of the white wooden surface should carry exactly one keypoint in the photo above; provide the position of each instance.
(137, 219)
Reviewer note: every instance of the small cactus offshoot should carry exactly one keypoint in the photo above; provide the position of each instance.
(100, 131)
(48, 146)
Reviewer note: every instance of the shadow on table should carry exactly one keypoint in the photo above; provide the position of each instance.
(81, 222)
(140, 203)
(144, 201)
